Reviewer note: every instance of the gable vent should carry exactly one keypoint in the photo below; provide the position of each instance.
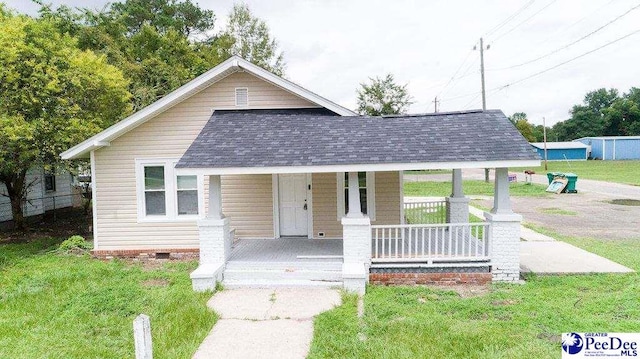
(242, 96)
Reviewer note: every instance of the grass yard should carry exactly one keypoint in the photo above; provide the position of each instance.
(67, 306)
(503, 321)
(510, 321)
(471, 187)
(613, 171)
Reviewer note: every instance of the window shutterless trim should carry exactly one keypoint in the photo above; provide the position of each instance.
(171, 192)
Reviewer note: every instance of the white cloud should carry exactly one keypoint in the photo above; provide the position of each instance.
(332, 46)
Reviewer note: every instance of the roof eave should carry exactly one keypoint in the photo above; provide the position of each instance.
(375, 167)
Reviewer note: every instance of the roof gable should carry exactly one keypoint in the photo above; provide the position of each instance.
(230, 66)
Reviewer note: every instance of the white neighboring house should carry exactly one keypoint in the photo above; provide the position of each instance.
(48, 192)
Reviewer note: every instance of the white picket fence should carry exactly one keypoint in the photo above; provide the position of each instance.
(431, 243)
(428, 212)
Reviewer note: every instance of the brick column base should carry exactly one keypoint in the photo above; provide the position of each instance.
(356, 244)
(505, 246)
(215, 248)
(457, 209)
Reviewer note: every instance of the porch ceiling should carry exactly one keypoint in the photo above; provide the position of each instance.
(267, 141)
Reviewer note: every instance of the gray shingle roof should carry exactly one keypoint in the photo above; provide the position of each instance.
(264, 138)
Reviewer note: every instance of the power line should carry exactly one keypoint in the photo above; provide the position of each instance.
(509, 18)
(568, 45)
(455, 73)
(575, 23)
(566, 62)
(523, 21)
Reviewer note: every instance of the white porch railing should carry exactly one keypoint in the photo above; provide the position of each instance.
(428, 212)
(432, 243)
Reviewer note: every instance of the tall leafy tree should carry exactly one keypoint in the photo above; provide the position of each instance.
(52, 95)
(159, 44)
(162, 44)
(250, 39)
(383, 96)
(519, 119)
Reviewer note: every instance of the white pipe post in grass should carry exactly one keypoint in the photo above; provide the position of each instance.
(142, 337)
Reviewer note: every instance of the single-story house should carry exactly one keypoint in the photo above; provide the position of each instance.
(48, 191)
(562, 151)
(613, 147)
(267, 182)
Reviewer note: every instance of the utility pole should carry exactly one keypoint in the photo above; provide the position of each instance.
(544, 137)
(435, 104)
(484, 96)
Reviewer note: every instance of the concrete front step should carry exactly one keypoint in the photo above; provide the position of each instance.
(286, 274)
(279, 283)
(288, 266)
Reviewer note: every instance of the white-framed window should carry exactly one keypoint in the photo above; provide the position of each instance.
(367, 187)
(242, 97)
(163, 196)
(49, 182)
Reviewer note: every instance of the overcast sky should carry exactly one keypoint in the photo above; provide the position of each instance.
(332, 46)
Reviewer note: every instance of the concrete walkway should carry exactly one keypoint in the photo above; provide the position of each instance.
(265, 323)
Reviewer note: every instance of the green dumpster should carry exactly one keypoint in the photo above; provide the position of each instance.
(552, 175)
(572, 178)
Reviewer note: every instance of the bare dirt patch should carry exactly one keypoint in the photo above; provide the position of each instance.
(64, 224)
(465, 291)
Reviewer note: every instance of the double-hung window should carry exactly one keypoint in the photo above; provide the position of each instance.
(165, 196)
(155, 196)
(366, 186)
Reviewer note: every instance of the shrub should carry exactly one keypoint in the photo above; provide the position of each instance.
(74, 244)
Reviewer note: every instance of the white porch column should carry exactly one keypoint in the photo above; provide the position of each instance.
(215, 241)
(355, 210)
(504, 232)
(457, 203)
(356, 233)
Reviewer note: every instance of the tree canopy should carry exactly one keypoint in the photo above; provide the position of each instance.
(250, 39)
(603, 113)
(162, 44)
(52, 96)
(383, 97)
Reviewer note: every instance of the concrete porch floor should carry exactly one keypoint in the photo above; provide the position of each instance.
(286, 249)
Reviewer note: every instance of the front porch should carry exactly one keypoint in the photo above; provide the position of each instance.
(435, 235)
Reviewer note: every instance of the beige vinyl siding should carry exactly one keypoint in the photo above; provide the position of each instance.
(325, 197)
(168, 135)
(325, 207)
(387, 198)
(248, 201)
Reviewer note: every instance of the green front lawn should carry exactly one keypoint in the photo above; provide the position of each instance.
(67, 306)
(509, 321)
(471, 187)
(612, 171)
(506, 321)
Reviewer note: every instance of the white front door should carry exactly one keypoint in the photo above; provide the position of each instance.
(292, 189)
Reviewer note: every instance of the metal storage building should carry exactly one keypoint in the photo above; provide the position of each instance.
(613, 147)
(561, 151)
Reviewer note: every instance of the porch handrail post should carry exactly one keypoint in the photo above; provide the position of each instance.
(355, 210)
